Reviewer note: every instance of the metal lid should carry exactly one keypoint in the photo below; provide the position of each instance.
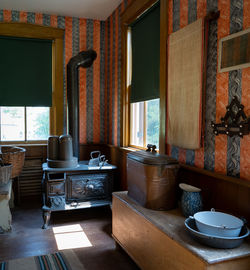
(65, 137)
(151, 158)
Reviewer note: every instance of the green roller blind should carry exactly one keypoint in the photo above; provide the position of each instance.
(25, 72)
(146, 56)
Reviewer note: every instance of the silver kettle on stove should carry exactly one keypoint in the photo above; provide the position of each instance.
(97, 159)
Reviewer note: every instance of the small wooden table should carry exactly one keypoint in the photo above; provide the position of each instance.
(159, 240)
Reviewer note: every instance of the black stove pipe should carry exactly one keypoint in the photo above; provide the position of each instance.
(83, 59)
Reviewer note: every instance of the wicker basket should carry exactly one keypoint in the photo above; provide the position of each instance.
(5, 173)
(15, 156)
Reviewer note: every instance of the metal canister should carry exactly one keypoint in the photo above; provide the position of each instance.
(65, 147)
(152, 179)
(53, 147)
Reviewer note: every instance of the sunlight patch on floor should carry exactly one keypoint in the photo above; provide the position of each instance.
(71, 236)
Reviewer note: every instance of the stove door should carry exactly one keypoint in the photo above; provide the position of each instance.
(87, 187)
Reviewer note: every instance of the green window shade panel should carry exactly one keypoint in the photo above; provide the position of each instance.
(146, 56)
(25, 72)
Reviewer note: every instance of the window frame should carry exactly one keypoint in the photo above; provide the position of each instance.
(131, 13)
(27, 30)
(144, 127)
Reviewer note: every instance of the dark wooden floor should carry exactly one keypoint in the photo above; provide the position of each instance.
(28, 239)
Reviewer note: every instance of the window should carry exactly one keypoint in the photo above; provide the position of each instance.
(143, 64)
(26, 89)
(144, 123)
(32, 123)
(24, 123)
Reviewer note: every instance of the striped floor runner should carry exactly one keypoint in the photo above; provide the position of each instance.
(65, 260)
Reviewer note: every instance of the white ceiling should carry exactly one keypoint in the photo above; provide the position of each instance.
(90, 9)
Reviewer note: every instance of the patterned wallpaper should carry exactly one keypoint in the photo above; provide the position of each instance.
(113, 74)
(229, 156)
(222, 154)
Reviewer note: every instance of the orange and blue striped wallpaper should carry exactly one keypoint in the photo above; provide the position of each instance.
(100, 85)
(113, 75)
(222, 154)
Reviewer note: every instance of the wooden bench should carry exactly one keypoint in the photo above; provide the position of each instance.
(158, 240)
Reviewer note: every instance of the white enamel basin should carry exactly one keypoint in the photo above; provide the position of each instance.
(218, 223)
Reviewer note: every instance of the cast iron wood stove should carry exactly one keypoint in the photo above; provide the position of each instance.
(83, 186)
(76, 188)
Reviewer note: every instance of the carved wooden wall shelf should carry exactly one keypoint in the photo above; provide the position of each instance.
(235, 121)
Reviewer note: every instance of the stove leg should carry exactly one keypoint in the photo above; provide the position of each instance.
(46, 218)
